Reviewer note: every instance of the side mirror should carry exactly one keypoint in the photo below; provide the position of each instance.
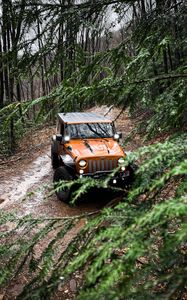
(117, 136)
(60, 138)
(57, 138)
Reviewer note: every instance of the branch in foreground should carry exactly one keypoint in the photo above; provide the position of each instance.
(160, 77)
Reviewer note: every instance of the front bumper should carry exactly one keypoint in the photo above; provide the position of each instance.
(120, 179)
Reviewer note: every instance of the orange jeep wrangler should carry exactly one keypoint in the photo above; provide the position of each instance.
(86, 144)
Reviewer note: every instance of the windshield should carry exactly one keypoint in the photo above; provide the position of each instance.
(91, 130)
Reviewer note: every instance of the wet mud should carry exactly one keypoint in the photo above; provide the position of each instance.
(28, 193)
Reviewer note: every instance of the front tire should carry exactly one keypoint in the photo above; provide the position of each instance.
(54, 157)
(62, 174)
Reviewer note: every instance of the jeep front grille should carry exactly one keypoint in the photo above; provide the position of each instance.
(101, 165)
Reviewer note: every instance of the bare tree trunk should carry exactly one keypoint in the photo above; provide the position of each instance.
(1, 78)
(86, 40)
(5, 50)
(60, 44)
(41, 62)
(22, 91)
(31, 84)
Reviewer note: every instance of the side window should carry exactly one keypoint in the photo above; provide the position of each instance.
(60, 128)
(66, 129)
(72, 130)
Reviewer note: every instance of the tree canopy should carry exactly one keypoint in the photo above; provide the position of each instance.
(69, 54)
(65, 55)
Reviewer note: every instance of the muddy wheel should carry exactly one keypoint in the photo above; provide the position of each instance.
(62, 174)
(54, 157)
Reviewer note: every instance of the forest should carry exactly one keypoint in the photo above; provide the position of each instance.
(78, 55)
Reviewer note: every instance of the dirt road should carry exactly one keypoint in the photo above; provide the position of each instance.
(26, 180)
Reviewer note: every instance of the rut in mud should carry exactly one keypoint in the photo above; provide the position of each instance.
(17, 186)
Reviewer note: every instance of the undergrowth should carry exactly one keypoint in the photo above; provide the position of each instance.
(135, 250)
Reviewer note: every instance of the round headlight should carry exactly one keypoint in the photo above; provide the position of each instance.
(66, 138)
(82, 163)
(116, 136)
(120, 161)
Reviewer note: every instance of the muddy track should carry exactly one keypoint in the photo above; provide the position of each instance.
(25, 183)
(28, 192)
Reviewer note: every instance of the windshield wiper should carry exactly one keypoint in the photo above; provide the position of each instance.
(105, 132)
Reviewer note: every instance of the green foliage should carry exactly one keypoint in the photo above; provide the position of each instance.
(135, 250)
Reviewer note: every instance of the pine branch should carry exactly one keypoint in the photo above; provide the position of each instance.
(160, 77)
